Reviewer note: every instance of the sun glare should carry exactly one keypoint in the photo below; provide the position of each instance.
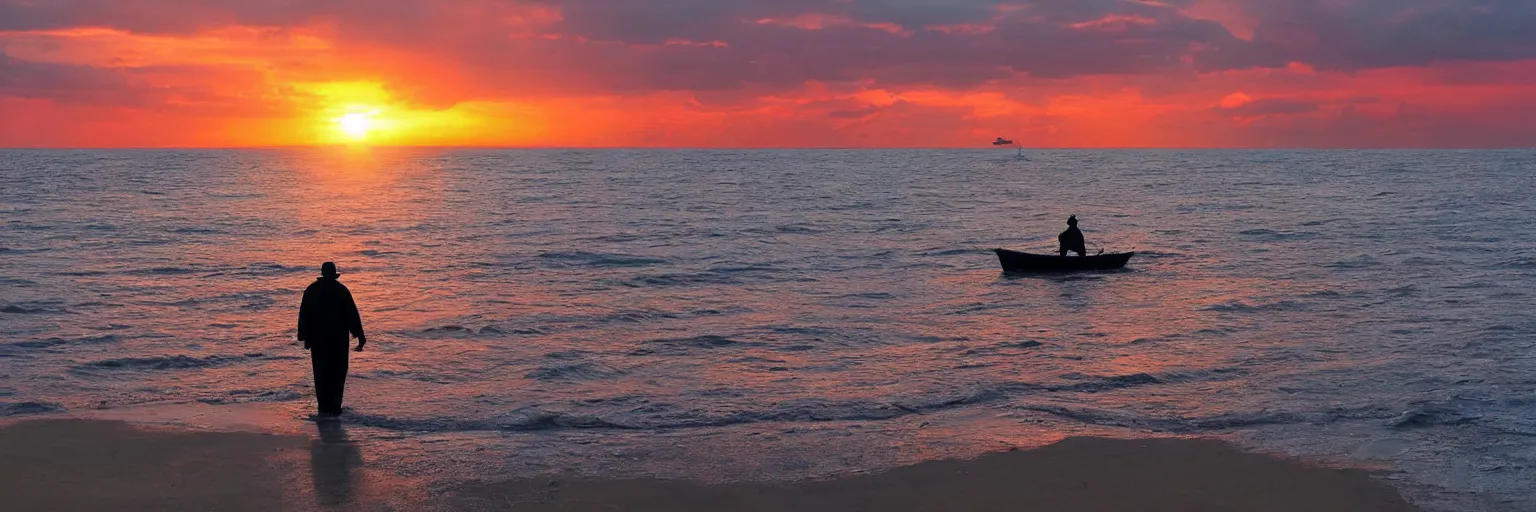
(356, 124)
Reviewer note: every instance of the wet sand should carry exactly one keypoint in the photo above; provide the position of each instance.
(99, 465)
(103, 465)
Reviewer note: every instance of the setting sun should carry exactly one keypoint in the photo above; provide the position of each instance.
(356, 124)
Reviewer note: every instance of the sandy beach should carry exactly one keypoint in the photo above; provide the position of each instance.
(105, 465)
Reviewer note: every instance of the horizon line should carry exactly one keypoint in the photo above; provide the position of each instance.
(771, 148)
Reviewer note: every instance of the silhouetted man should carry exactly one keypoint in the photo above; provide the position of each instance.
(1072, 239)
(326, 317)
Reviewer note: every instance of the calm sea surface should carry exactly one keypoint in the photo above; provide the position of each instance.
(769, 315)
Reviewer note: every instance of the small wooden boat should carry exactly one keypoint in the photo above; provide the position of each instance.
(1015, 261)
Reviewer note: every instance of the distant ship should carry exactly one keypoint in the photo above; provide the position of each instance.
(1005, 142)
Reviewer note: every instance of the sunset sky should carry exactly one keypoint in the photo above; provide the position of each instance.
(706, 73)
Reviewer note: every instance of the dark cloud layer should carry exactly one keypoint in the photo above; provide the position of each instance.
(1364, 34)
(627, 45)
(62, 82)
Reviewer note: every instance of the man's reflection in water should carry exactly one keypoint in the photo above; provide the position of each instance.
(331, 459)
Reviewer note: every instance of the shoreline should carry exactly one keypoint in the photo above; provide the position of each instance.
(94, 464)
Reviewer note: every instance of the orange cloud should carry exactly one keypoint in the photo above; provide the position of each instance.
(823, 21)
(1113, 22)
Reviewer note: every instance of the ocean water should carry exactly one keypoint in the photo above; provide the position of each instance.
(774, 315)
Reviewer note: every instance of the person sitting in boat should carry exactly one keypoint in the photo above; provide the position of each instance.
(1072, 240)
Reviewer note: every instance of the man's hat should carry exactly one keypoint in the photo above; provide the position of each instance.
(1072, 220)
(329, 269)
